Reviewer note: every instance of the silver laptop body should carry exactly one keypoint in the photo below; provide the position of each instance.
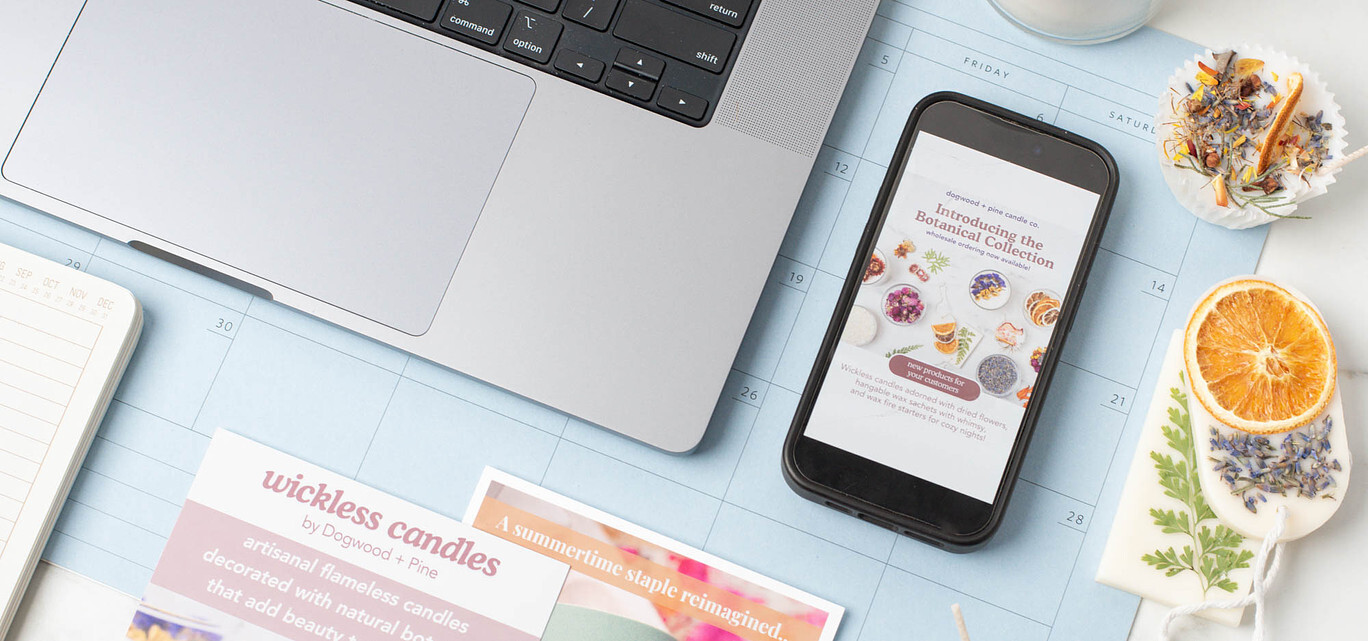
(597, 246)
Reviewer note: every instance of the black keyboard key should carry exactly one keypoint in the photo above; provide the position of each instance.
(628, 84)
(424, 10)
(533, 36)
(684, 104)
(633, 60)
(732, 12)
(545, 5)
(482, 20)
(675, 35)
(579, 65)
(595, 14)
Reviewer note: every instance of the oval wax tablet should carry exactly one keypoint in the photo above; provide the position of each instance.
(1246, 474)
(1242, 473)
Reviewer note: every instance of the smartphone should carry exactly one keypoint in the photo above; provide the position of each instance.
(958, 301)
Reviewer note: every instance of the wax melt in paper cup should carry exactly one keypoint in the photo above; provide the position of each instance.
(1197, 191)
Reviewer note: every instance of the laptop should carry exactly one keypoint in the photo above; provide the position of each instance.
(578, 201)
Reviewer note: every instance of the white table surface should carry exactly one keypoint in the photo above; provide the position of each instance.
(1323, 586)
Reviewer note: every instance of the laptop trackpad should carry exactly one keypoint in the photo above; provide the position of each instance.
(292, 139)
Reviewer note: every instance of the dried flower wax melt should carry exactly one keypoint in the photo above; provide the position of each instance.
(1042, 307)
(990, 289)
(947, 340)
(876, 269)
(1244, 136)
(1207, 508)
(1009, 335)
(997, 374)
(1162, 517)
(903, 304)
(966, 339)
(1245, 477)
(1248, 450)
(1280, 439)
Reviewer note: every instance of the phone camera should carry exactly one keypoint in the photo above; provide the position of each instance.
(1036, 150)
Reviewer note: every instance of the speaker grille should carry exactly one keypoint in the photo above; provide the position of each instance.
(792, 69)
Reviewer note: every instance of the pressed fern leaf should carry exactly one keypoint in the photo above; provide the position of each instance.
(1213, 553)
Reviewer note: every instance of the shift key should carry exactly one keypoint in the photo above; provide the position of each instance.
(675, 35)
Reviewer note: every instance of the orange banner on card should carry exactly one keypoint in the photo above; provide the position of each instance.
(663, 586)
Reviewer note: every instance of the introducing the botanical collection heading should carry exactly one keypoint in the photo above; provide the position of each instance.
(975, 229)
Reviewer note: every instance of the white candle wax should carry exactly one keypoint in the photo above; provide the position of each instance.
(1081, 21)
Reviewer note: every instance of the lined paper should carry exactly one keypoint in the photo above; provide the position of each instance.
(43, 352)
(65, 338)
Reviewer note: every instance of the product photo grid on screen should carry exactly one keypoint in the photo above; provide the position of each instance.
(965, 230)
(214, 357)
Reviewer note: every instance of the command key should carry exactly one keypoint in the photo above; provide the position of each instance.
(482, 20)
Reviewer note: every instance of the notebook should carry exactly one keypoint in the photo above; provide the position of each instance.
(65, 339)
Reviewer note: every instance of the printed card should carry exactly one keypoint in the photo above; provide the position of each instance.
(629, 583)
(268, 548)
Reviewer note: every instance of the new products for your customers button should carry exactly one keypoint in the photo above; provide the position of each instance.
(934, 377)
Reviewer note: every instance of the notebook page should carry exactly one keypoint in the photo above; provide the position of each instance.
(65, 337)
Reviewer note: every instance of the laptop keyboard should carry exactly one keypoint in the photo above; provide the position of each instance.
(672, 57)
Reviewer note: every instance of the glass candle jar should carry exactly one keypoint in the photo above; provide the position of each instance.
(1078, 21)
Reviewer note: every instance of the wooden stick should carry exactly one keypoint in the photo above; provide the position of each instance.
(1340, 163)
(959, 622)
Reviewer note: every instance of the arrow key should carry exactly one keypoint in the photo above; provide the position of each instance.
(625, 83)
(637, 62)
(579, 65)
(684, 104)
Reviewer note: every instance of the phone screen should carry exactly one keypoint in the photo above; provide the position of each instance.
(960, 297)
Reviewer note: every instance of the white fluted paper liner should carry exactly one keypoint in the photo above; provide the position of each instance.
(1195, 191)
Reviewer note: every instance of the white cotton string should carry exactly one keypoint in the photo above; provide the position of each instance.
(1265, 569)
(959, 621)
(1339, 164)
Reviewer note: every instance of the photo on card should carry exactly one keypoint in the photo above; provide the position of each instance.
(627, 582)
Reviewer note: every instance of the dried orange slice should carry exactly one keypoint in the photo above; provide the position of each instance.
(1259, 358)
(1275, 130)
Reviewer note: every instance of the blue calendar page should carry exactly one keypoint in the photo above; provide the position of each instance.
(212, 357)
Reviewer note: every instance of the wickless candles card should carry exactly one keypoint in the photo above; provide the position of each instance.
(627, 582)
(268, 548)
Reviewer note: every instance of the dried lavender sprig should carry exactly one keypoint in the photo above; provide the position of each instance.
(1252, 467)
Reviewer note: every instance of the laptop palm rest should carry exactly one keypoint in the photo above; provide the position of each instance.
(298, 141)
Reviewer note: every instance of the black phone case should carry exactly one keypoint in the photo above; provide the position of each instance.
(879, 515)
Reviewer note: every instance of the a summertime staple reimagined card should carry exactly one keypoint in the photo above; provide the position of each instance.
(269, 548)
(627, 582)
